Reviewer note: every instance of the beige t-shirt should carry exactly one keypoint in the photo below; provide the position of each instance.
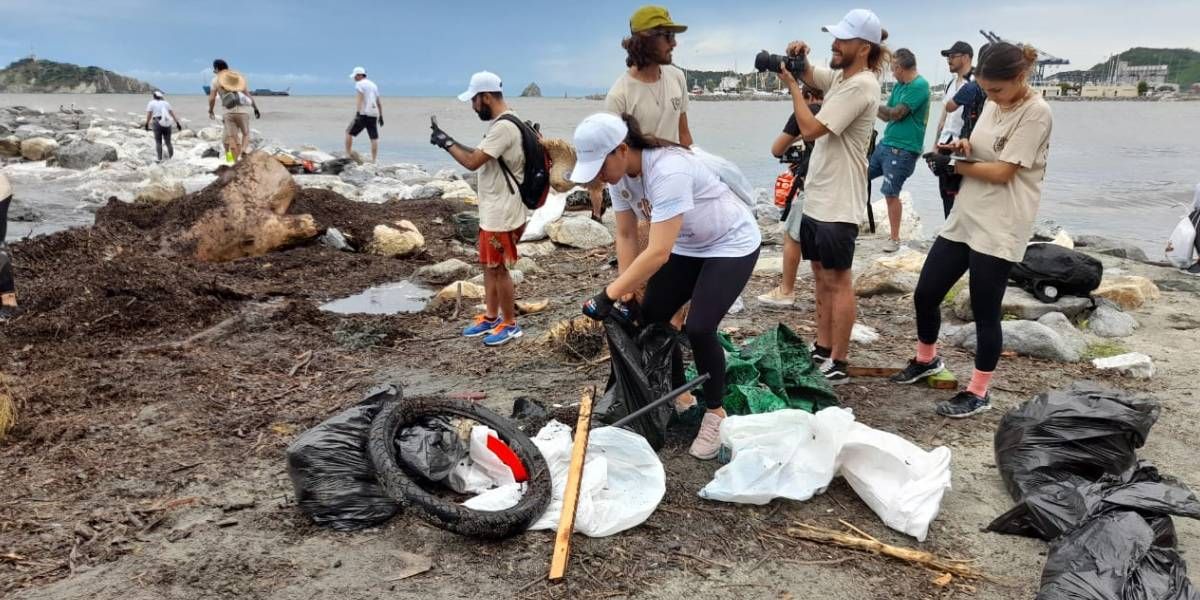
(241, 109)
(835, 190)
(656, 106)
(499, 208)
(997, 219)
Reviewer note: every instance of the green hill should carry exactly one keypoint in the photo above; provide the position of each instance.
(1183, 63)
(711, 80)
(32, 76)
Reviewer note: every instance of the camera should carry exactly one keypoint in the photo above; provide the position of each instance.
(765, 61)
(794, 154)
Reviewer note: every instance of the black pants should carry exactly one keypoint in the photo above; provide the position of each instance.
(712, 285)
(7, 286)
(948, 188)
(163, 134)
(946, 263)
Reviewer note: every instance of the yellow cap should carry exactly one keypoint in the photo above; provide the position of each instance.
(653, 17)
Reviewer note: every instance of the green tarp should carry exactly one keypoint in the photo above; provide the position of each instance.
(772, 372)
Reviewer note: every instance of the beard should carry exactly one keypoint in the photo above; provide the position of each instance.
(485, 113)
(664, 58)
(838, 61)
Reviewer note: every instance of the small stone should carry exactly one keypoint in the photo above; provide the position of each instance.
(1109, 321)
(527, 265)
(335, 239)
(863, 334)
(449, 294)
(160, 192)
(879, 281)
(444, 272)
(38, 148)
(1128, 291)
(400, 240)
(227, 523)
(238, 501)
(534, 249)
(516, 276)
(1133, 364)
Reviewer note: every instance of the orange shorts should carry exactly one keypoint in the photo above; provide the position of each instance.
(497, 248)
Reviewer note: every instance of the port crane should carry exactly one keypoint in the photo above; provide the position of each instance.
(1044, 59)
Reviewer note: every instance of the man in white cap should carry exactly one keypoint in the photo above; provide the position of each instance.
(836, 186)
(500, 160)
(368, 112)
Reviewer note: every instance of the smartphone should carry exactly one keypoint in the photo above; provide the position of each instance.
(963, 158)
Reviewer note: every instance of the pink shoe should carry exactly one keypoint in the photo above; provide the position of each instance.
(708, 441)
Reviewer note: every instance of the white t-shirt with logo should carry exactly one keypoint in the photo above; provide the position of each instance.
(716, 223)
(370, 93)
(160, 112)
(954, 120)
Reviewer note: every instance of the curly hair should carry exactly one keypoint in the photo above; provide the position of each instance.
(880, 57)
(639, 50)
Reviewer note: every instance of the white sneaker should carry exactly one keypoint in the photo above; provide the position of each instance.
(776, 297)
(708, 440)
(891, 246)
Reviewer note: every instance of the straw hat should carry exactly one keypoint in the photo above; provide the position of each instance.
(231, 81)
(563, 156)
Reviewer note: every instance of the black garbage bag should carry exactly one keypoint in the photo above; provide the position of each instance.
(1050, 271)
(1056, 508)
(1113, 557)
(640, 373)
(431, 447)
(1087, 431)
(332, 475)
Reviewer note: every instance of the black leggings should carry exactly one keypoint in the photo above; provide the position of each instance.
(7, 286)
(712, 285)
(946, 263)
(163, 134)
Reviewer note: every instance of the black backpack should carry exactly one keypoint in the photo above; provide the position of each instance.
(535, 185)
(1050, 271)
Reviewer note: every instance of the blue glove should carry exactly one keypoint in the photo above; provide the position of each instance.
(599, 306)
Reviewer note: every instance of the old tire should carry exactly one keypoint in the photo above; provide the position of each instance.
(406, 487)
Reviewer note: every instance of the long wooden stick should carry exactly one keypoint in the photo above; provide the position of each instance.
(566, 524)
(865, 543)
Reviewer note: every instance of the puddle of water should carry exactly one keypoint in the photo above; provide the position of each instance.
(388, 299)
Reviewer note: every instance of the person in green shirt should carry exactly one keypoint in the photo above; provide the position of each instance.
(906, 113)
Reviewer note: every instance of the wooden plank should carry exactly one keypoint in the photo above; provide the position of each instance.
(871, 371)
(566, 524)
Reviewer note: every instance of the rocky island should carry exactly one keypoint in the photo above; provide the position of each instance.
(35, 76)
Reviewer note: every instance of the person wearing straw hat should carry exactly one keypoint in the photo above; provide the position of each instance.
(368, 113)
(8, 290)
(163, 117)
(500, 160)
(237, 102)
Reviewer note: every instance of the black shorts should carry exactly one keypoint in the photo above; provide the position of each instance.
(362, 122)
(831, 244)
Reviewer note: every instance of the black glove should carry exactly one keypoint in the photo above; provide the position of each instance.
(939, 164)
(180, 126)
(257, 115)
(381, 120)
(599, 306)
(440, 138)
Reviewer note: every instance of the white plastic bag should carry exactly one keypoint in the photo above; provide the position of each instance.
(1181, 247)
(782, 454)
(481, 470)
(730, 174)
(902, 483)
(551, 211)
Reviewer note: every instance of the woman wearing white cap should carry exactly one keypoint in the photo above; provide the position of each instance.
(159, 111)
(703, 242)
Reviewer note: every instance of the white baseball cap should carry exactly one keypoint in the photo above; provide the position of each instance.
(595, 137)
(859, 23)
(483, 81)
(357, 71)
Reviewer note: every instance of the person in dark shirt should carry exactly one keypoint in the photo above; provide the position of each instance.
(971, 98)
(784, 293)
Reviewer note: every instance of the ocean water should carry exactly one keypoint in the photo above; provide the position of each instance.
(1120, 169)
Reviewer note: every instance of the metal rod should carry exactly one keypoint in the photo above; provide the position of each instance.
(671, 395)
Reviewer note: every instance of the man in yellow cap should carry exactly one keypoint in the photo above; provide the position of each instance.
(652, 89)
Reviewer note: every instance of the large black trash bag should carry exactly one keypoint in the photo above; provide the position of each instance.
(1086, 430)
(1050, 271)
(332, 475)
(431, 447)
(1113, 557)
(1053, 509)
(640, 373)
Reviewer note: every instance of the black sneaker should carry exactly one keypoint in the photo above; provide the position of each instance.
(835, 372)
(964, 404)
(916, 371)
(818, 354)
(8, 313)
(1193, 270)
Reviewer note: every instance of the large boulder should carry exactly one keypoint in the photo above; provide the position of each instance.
(1128, 291)
(910, 220)
(579, 232)
(211, 134)
(38, 148)
(1108, 320)
(82, 154)
(1108, 246)
(879, 281)
(1052, 338)
(160, 192)
(535, 249)
(255, 195)
(446, 271)
(1022, 305)
(398, 240)
(455, 190)
(10, 146)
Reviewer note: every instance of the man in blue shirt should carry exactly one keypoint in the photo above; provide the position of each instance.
(907, 113)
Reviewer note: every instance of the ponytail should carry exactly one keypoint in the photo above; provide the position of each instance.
(634, 138)
(880, 56)
(1003, 61)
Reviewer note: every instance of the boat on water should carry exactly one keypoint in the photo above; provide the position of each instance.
(258, 92)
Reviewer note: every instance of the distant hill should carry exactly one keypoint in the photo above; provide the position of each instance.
(1184, 63)
(532, 91)
(36, 76)
(711, 80)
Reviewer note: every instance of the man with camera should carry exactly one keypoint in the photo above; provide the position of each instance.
(907, 114)
(836, 185)
(950, 126)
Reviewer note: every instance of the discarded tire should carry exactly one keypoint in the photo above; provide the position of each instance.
(406, 486)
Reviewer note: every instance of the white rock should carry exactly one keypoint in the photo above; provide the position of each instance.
(1133, 364)
(316, 156)
(332, 183)
(910, 221)
(1052, 337)
(535, 249)
(863, 334)
(1109, 321)
(398, 240)
(446, 271)
(517, 277)
(211, 134)
(186, 134)
(579, 232)
(159, 192)
(454, 190)
(38, 148)
(527, 265)
(447, 175)
(768, 265)
(1062, 238)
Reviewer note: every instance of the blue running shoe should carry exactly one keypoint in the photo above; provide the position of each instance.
(482, 326)
(502, 333)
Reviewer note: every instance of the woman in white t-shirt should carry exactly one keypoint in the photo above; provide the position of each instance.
(703, 242)
(160, 114)
(990, 225)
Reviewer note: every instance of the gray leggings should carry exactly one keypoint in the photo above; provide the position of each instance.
(162, 134)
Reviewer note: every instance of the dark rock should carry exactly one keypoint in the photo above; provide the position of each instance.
(82, 154)
(580, 199)
(532, 91)
(211, 152)
(1110, 247)
(1178, 285)
(20, 213)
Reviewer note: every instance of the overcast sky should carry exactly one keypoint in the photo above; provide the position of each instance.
(431, 48)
